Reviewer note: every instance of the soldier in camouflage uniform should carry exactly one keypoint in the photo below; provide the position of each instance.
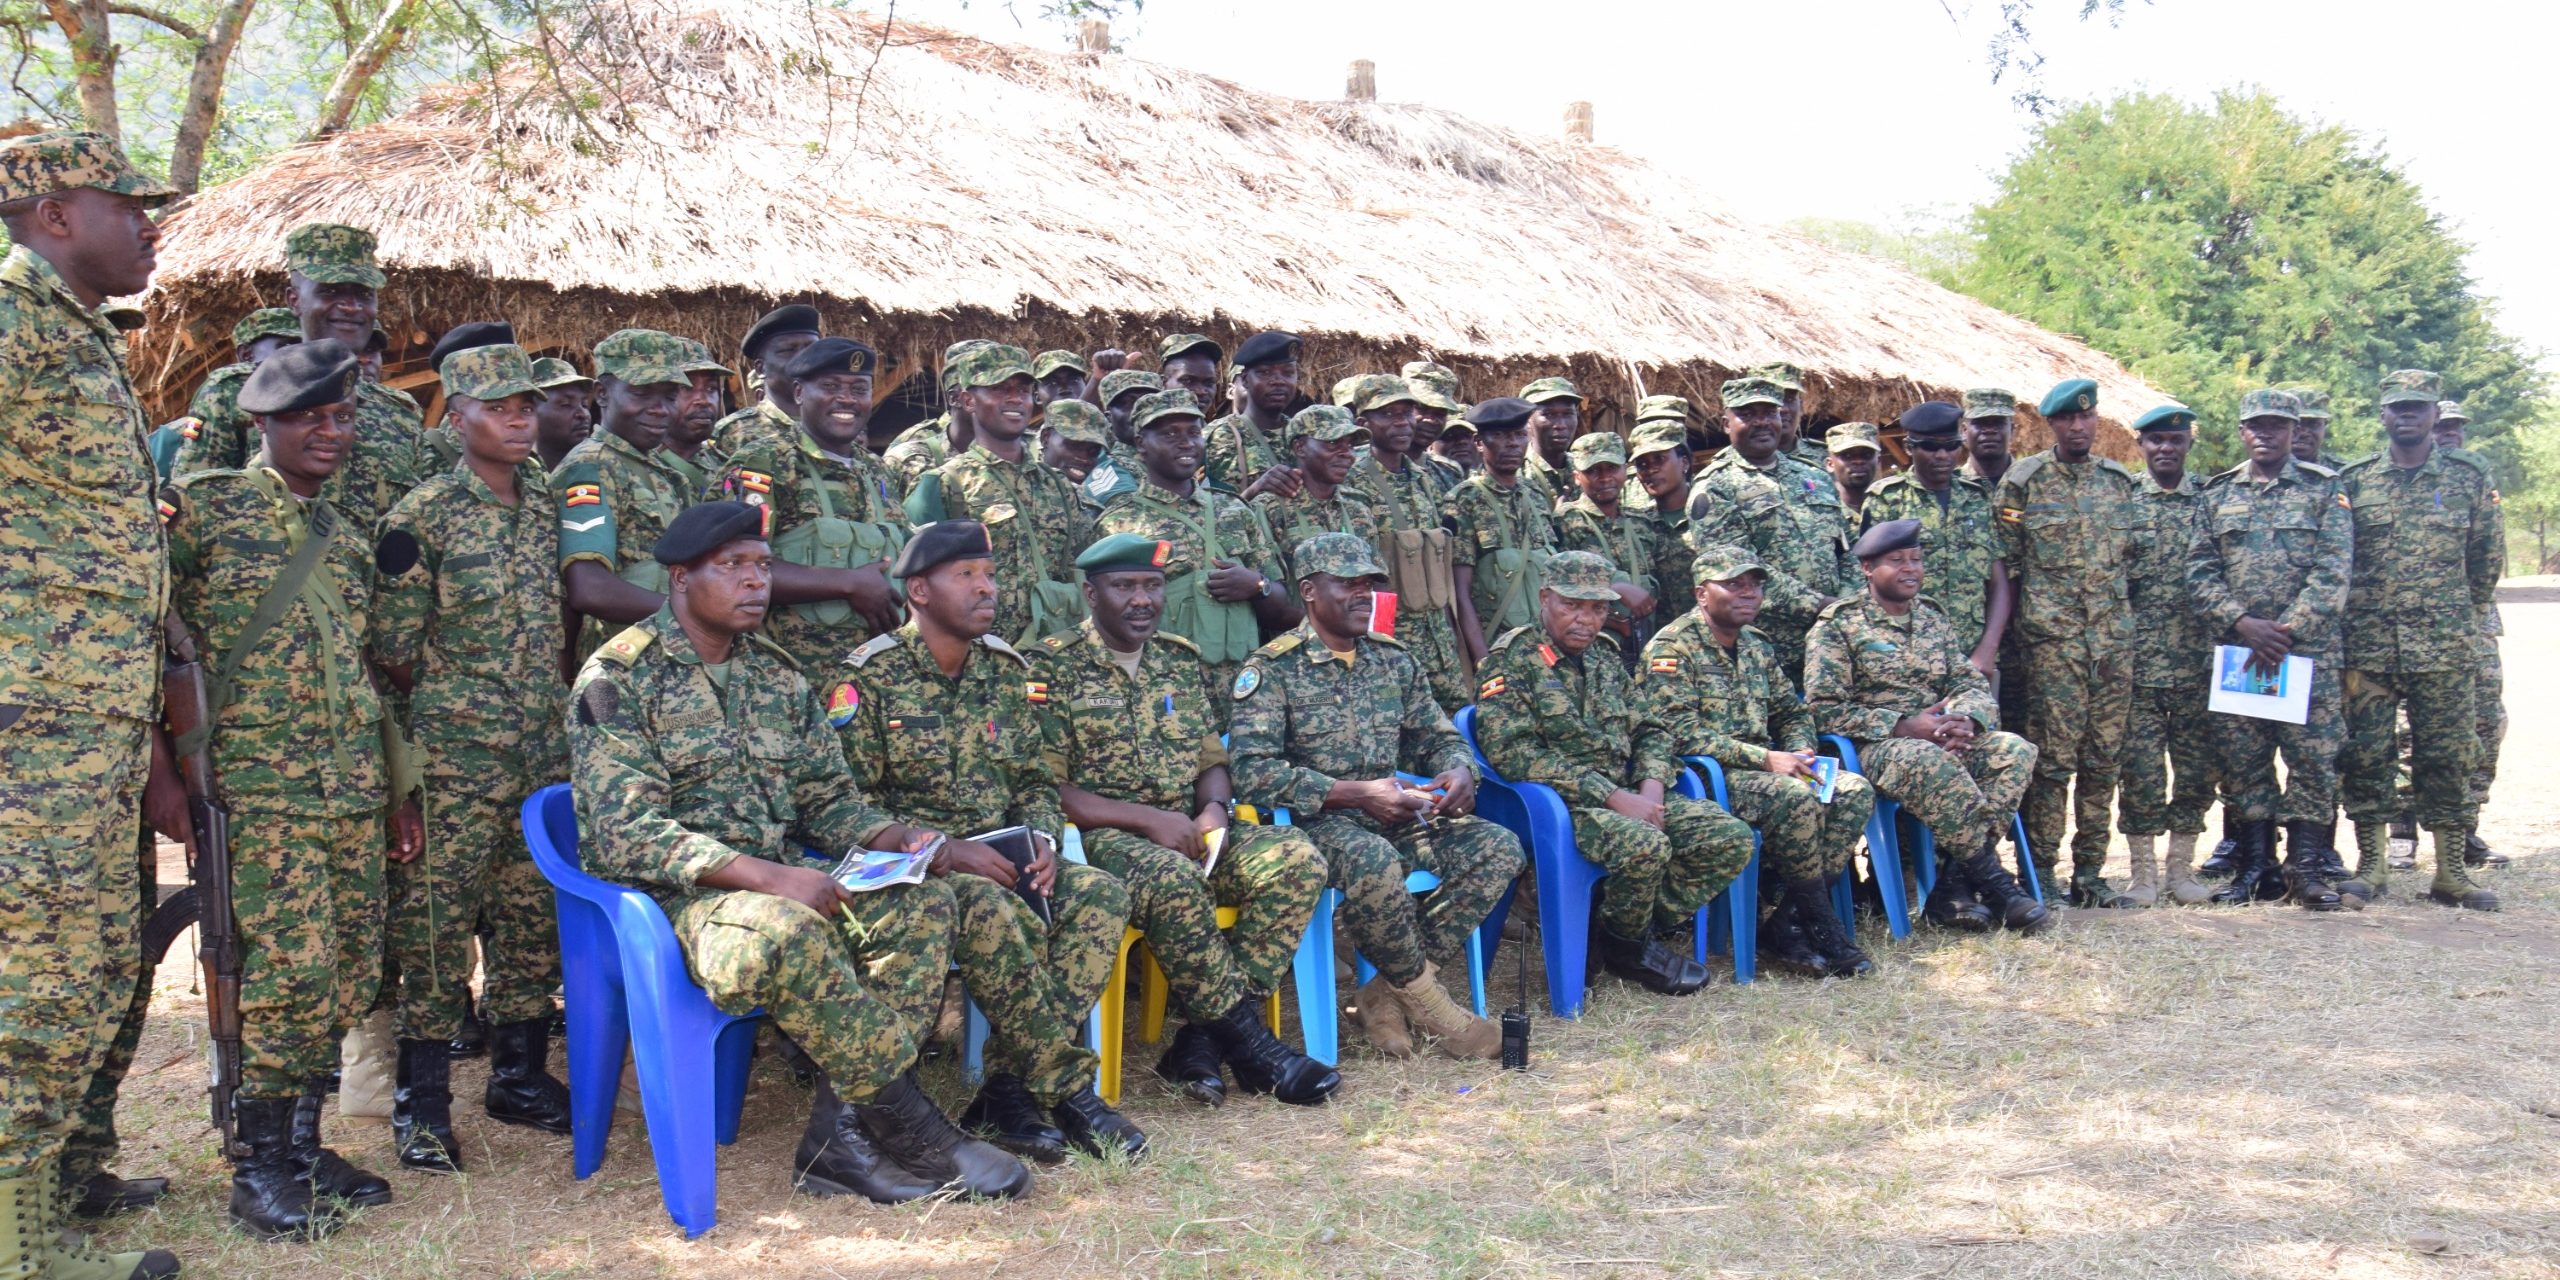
(1658, 453)
(2311, 431)
(688, 448)
(1030, 510)
(834, 513)
(1990, 429)
(922, 448)
(438, 449)
(770, 346)
(703, 767)
(1325, 718)
(1118, 470)
(939, 728)
(1555, 422)
(1504, 528)
(1073, 435)
(1713, 686)
(567, 415)
(1852, 451)
(1884, 670)
(1958, 533)
(84, 589)
(616, 492)
(2168, 728)
(1247, 452)
(1322, 439)
(259, 334)
(2066, 526)
(1420, 554)
(331, 271)
(1593, 520)
(278, 589)
(1757, 497)
(1791, 438)
(2429, 548)
(2272, 550)
(1435, 392)
(1058, 375)
(1125, 720)
(1556, 709)
(2490, 692)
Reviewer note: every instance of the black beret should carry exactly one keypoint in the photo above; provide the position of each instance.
(304, 376)
(1501, 413)
(832, 355)
(1892, 535)
(940, 543)
(463, 337)
(703, 529)
(799, 317)
(1268, 348)
(1932, 418)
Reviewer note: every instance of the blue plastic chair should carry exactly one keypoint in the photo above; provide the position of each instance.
(627, 987)
(1319, 1002)
(1731, 921)
(1884, 850)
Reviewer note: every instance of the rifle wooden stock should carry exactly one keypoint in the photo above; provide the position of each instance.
(209, 871)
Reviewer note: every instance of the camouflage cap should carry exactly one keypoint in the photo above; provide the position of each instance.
(1344, 388)
(643, 357)
(987, 366)
(332, 253)
(1075, 420)
(1164, 404)
(1786, 375)
(953, 355)
(2315, 402)
(1666, 408)
(1658, 436)
(2403, 385)
(1438, 377)
(491, 373)
(1724, 562)
(1049, 362)
(1183, 344)
(1341, 555)
(1751, 389)
(1377, 391)
(1120, 382)
(1598, 449)
(1990, 402)
(1327, 422)
(1431, 397)
(267, 322)
(2448, 411)
(1542, 390)
(2267, 402)
(42, 163)
(552, 371)
(1582, 575)
(698, 359)
(1854, 435)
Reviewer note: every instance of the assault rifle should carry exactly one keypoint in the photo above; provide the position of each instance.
(206, 901)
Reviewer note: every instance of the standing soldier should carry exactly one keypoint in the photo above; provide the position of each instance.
(86, 586)
(2168, 729)
(1659, 454)
(1555, 422)
(1325, 717)
(277, 590)
(2429, 547)
(688, 448)
(1958, 534)
(439, 448)
(2268, 566)
(471, 627)
(1883, 670)
(939, 728)
(1503, 524)
(1555, 711)
(1435, 391)
(1420, 554)
(1058, 375)
(1030, 511)
(920, 449)
(1851, 453)
(617, 494)
(2311, 433)
(1119, 470)
(2066, 517)
(1125, 717)
(769, 347)
(1592, 520)
(1990, 427)
(259, 334)
(1073, 435)
(1757, 497)
(1323, 440)
(1190, 362)
(567, 415)
(2490, 694)
(1246, 452)
(1792, 440)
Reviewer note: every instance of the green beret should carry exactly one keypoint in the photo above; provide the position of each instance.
(267, 322)
(490, 373)
(700, 530)
(643, 357)
(1049, 362)
(1340, 555)
(1544, 389)
(2075, 395)
(1176, 403)
(2168, 417)
(306, 375)
(1854, 435)
(1582, 575)
(1124, 552)
(1751, 389)
(2267, 402)
(1598, 449)
(1075, 420)
(330, 253)
(2403, 385)
(1120, 382)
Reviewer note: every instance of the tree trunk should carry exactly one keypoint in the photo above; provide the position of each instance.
(93, 60)
(204, 95)
(370, 54)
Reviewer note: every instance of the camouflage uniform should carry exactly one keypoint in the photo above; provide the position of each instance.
(1507, 536)
(679, 767)
(1229, 441)
(1036, 525)
(1672, 555)
(1409, 503)
(1789, 517)
(1186, 522)
(1959, 539)
(919, 449)
(796, 483)
(760, 425)
(1569, 721)
(1144, 739)
(963, 756)
(701, 472)
(1865, 670)
(1736, 707)
(1305, 718)
(1628, 541)
(615, 500)
(2167, 727)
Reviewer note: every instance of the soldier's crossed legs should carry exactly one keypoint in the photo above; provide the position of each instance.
(1801, 838)
(1962, 796)
(1475, 860)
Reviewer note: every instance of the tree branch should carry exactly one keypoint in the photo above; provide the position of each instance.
(379, 43)
(185, 30)
(204, 94)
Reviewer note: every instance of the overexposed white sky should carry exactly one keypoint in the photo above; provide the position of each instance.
(1868, 109)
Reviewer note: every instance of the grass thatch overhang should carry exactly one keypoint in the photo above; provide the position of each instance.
(924, 186)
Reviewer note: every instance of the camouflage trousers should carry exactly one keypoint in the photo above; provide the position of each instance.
(308, 893)
(70, 811)
(2445, 745)
(1475, 860)
(1036, 983)
(2171, 763)
(1802, 838)
(475, 868)
(1272, 876)
(2077, 706)
(856, 992)
(2248, 749)
(1963, 796)
(2490, 695)
(94, 1141)
(1658, 878)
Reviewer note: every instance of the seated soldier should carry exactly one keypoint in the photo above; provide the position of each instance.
(1324, 718)
(1713, 684)
(663, 718)
(1884, 670)
(1127, 721)
(1555, 710)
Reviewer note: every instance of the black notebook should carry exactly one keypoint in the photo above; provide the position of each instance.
(1015, 844)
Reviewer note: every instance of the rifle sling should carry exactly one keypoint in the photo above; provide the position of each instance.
(271, 610)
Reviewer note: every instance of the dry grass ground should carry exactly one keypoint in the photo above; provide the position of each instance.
(2248, 1093)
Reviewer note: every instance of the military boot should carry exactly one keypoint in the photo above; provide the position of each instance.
(1382, 1018)
(1456, 1032)
(2404, 843)
(1951, 904)
(1649, 962)
(913, 1132)
(1264, 1064)
(2352, 892)
(2177, 873)
(2142, 887)
(26, 1225)
(836, 1158)
(2477, 853)
(36, 1239)
(2254, 864)
(1783, 945)
(2305, 872)
(1005, 1113)
(522, 1090)
(474, 1040)
(422, 1107)
(336, 1179)
(104, 1195)
(2016, 908)
(2225, 858)
(2453, 885)
(2090, 890)
(1191, 1064)
(1091, 1126)
(2373, 857)
(271, 1198)
(1828, 934)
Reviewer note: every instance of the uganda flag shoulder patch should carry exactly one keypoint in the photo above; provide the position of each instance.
(755, 482)
(582, 495)
(191, 428)
(1492, 688)
(1036, 690)
(1662, 666)
(2011, 515)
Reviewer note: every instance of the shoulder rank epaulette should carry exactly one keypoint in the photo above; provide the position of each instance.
(1837, 605)
(2468, 459)
(872, 648)
(1387, 640)
(2024, 467)
(1179, 642)
(766, 643)
(2316, 469)
(997, 643)
(624, 649)
(2110, 464)
(1503, 641)
(1284, 644)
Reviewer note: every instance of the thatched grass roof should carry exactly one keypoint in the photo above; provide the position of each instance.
(924, 186)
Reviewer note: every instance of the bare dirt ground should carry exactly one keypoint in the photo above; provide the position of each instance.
(2252, 1093)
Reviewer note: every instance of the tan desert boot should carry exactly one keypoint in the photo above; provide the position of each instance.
(2144, 887)
(1382, 1017)
(2178, 878)
(1455, 1032)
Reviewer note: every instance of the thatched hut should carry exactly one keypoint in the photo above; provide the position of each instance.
(684, 167)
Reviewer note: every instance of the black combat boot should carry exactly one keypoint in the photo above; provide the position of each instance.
(2353, 892)
(2000, 892)
(1652, 963)
(1005, 1114)
(104, 1195)
(335, 1178)
(1825, 930)
(2226, 851)
(2477, 853)
(2306, 867)
(422, 1107)
(270, 1198)
(521, 1089)
(1092, 1127)
(474, 1040)
(1191, 1064)
(836, 1158)
(2254, 864)
(912, 1131)
(1951, 904)
(2404, 827)
(1784, 945)
(1264, 1064)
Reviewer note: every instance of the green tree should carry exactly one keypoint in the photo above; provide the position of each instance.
(2216, 249)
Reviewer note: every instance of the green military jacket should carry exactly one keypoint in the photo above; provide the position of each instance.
(1234, 453)
(1036, 526)
(918, 449)
(1959, 542)
(1305, 718)
(300, 730)
(1225, 633)
(1352, 510)
(760, 424)
(959, 754)
(1142, 739)
(2066, 530)
(615, 502)
(797, 483)
(1735, 707)
(1628, 540)
(2430, 545)
(1865, 669)
(701, 472)
(84, 564)
(1490, 523)
(477, 618)
(379, 470)
(1568, 720)
(2278, 549)
(679, 767)
(1554, 484)
(1789, 516)
(2172, 654)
